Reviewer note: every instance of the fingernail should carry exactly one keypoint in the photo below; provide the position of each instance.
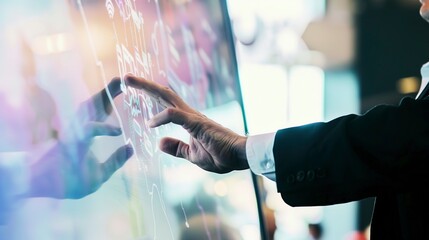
(129, 76)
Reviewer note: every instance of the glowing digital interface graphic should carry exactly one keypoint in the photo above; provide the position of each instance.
(56, 54)
(184, 45)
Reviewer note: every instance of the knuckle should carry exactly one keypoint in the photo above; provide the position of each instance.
(170, 94)
(168, 91)
(171, 112)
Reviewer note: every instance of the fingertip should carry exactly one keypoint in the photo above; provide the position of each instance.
(114, 86)
(129, 151)
(129, 75)
(165, 145)
(115, 80)
(117, 131)
(174, 147)
(151, 123)
(131, 79)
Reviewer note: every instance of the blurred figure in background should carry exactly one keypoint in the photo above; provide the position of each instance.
(39, 160)
(23, 97)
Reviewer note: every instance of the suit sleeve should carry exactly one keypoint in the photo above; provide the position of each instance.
(354, 156)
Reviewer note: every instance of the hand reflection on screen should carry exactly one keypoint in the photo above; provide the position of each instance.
(70, 169)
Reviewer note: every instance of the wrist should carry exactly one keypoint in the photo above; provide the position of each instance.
(241, 152)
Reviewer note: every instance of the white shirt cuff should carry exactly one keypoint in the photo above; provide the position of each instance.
(260, 156)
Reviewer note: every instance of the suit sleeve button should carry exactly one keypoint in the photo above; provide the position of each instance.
(320, 173)
(300, 176)
(310, 175)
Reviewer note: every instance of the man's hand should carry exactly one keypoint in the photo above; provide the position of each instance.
(70, 169)
(212, 147)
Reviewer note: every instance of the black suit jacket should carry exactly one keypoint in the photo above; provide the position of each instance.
(383, 153)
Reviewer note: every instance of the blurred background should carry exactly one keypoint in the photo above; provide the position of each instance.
(313, 60)
(299, 61)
